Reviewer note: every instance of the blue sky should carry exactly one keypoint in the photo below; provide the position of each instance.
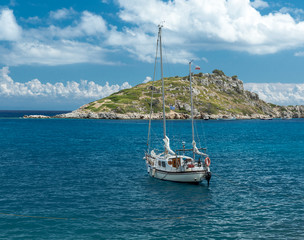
(60, 55)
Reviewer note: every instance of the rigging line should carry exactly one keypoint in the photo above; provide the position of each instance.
(168, 120)
(199, 139)
(169, 71)
(196, 133)
(156, 137)
(151, 104)
(204, 134)
(163, 83)
(191, 99)
(195, 123)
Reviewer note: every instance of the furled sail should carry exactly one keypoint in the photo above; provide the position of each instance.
(196, 150)
(167, 145)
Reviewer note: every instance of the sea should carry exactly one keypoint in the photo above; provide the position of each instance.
(86, 179)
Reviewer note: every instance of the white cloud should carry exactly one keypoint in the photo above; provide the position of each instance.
(259, 4)
(296, 11)
(142, 45)
(9, 29)
(278, 93)
(57, 46)
(74, 90)
(62, 13)
(89, 25)
(232, 24)
(148, 79)
(52, 54)
(92, 24)
(190, 25)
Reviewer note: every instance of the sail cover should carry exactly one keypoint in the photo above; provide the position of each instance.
(196, 150)
(167, 145)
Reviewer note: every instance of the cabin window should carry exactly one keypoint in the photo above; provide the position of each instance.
(164, 164)
(159, 163)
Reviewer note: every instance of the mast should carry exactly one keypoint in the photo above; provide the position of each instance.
(151, 104)
(190, 78)
(162, 78)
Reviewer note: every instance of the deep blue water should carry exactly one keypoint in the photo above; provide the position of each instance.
(86, 179)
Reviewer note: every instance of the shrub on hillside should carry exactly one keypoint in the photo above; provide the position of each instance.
(218, 72)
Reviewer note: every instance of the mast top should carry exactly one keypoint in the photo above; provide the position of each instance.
(161, 25)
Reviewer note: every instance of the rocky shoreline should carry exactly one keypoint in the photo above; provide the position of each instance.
(292, 112)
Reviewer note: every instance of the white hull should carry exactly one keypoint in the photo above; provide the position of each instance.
(186, 176)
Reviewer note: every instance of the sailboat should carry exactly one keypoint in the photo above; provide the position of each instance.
(182, 165)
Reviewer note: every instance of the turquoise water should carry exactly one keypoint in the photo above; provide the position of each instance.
(86, 179)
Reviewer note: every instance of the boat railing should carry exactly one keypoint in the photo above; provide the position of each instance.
(188, 150)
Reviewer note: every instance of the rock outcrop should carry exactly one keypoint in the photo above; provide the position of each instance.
(35, 116)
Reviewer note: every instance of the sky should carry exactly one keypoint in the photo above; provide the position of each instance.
(60, 55)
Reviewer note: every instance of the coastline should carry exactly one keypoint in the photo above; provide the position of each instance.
(80, 114)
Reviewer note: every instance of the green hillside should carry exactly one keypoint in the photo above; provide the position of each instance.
(213, 93)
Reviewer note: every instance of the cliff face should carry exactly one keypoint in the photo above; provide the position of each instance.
(215, 96)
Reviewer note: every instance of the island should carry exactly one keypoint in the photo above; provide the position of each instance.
(215, 96)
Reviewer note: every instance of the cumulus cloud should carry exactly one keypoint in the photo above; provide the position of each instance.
(89, 25)
(259, 4)
(233, 25)
(9, 29)
(190, 25)
(54, 45)
(75, 90)
(92, 24)
(278, 93)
